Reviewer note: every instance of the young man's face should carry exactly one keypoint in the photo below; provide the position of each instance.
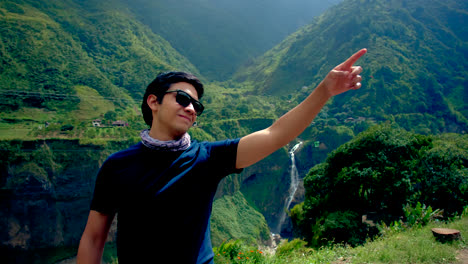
(171, 120)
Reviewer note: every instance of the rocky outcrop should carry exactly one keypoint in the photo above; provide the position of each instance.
(45, 195)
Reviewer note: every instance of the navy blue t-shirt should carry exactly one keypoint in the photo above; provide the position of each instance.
(163, 200)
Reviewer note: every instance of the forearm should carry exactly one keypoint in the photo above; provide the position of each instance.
(342, 78)
(94, 237)
(90, 251)
(256, 146)
(294, 122)
(260, 144)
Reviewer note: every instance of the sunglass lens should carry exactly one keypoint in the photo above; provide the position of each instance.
(183, 99)
(198, 108)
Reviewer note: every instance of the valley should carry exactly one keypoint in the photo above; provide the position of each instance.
(72, 75)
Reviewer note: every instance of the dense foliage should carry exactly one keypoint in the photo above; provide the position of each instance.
(234, 218)
(379, 174)
(414, 71)
(55, 54)
(413, 245)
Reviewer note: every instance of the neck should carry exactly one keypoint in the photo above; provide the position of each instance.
(162, 136)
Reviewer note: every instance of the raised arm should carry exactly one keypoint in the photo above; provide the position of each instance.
(94, 237)
(256, 146)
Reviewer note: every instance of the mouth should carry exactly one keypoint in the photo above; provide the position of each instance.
(186, 118)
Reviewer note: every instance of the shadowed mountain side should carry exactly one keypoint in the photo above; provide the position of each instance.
(218, 36)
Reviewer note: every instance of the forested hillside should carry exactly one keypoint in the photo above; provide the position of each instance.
(51, 46)
(415, 70)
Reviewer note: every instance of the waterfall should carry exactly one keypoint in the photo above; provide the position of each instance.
(294, 175)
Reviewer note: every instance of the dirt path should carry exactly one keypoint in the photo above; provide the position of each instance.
(463, 256)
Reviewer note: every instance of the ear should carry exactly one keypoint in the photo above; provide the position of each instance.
(152, 102)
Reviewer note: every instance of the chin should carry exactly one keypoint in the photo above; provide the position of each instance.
(180, 132)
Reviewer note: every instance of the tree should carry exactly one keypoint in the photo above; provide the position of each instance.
(379, 172)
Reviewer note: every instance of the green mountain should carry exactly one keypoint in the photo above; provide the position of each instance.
(51, 47)
(70, 62)
(415, 69)
(218, 36)
(101, 55)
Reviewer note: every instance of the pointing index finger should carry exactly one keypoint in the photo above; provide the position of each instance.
(351, 60)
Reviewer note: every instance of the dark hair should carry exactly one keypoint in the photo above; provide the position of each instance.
(161, 84)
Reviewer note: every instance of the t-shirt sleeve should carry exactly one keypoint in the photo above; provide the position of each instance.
(224, 155)
(103, 199)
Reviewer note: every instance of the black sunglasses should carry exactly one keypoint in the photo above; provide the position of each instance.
(184, 99)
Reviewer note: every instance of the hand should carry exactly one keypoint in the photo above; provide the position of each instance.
(345, 76)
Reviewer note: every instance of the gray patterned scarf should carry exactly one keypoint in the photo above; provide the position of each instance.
(172, 145)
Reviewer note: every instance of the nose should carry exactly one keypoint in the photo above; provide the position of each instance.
(190, 108)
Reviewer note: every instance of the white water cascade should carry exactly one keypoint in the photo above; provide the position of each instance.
(294, 175)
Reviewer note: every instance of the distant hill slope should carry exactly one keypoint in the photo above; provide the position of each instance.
(48, 47)
(415, 70)
(218, 36)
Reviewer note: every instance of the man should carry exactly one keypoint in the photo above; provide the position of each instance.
(162, 188)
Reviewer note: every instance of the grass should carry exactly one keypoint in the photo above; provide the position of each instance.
(413, 246)
(91, 103)
(19, 124)
(416, 245)
(9, 133)
(15, 131)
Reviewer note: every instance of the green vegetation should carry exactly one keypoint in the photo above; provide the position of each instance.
(234, 218)
(264, 186)
(73, 52)
(47, 185)
(396, 245)
(65, 64)
(408, 245)
(384, 174)
(72, 62)
(402, 38)
(405, 245)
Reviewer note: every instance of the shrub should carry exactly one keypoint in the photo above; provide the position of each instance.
(66, 127)
(235, 251)
(378, 173)
(288, 247)
(420, 215)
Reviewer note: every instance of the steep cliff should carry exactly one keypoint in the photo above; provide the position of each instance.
(46, 187)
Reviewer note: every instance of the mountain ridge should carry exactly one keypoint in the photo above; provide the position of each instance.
(397, 79)
(219, 35)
